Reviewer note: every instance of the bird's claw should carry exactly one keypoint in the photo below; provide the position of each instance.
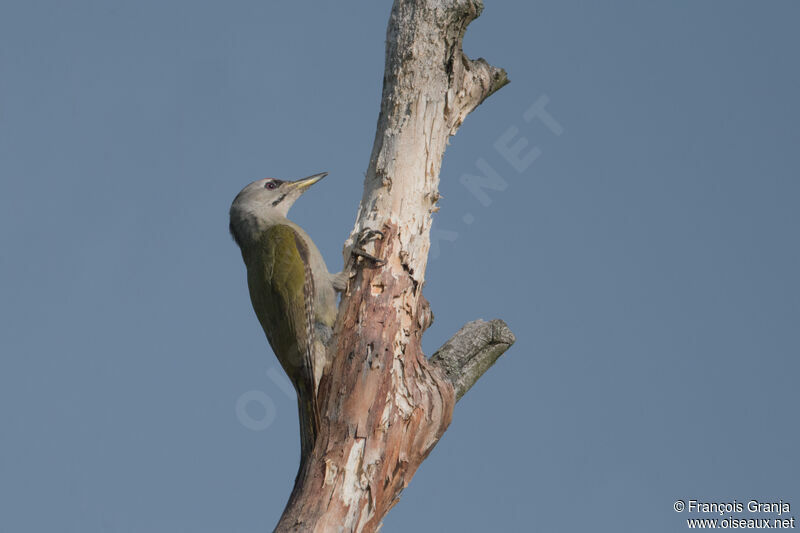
(369, 235)
(365, 237)
(362, 253)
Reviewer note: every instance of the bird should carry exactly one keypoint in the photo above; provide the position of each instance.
(292, 292)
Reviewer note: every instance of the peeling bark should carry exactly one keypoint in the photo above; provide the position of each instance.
(384, 406)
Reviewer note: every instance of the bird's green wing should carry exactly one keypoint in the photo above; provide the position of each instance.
(282, 292)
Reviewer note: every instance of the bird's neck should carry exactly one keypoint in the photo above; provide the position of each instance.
(248, 226)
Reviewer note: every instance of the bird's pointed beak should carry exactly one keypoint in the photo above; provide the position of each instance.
(305, 183)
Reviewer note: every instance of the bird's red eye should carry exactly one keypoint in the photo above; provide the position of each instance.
(270, 185)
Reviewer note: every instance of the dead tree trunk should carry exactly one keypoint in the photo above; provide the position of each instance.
(384, 405)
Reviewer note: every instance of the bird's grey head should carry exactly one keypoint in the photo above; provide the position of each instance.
(265, 202)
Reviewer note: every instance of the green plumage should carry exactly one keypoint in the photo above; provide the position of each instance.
(282, 293)
(276, 276)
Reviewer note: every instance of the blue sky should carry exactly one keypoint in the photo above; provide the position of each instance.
(646, 259)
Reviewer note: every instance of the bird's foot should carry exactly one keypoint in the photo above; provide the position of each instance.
(368, 235)
(365, 237)
(375, 260)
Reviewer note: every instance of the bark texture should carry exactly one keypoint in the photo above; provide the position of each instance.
(383, 405)
(471, 351)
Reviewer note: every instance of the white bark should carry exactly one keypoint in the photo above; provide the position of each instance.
(429, 88)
